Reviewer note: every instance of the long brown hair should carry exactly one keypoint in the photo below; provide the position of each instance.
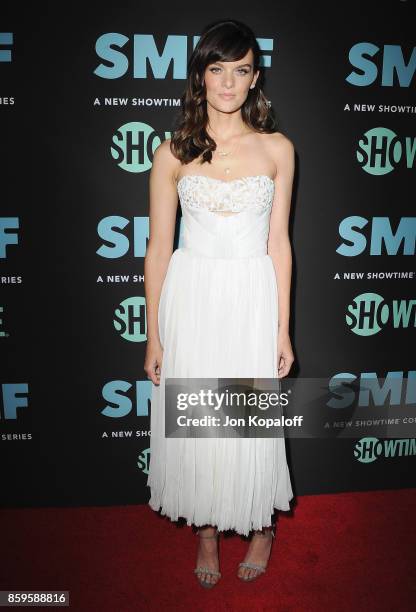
(225, 41)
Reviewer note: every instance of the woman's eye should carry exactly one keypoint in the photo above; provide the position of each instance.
(239, 70)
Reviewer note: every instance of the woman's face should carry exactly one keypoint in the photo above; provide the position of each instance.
(228, 83)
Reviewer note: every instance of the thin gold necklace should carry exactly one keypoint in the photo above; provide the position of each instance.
(224, 154)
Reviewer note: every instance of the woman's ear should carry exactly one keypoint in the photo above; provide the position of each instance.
(254, 81)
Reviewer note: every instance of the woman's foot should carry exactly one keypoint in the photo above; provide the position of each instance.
(207, 563)
(257, 556)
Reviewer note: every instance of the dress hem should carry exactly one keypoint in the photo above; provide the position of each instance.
(220, 527)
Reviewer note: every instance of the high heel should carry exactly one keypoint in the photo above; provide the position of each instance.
(260, 569)
(206, 570)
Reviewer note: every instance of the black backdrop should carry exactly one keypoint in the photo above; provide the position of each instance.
(74, 209)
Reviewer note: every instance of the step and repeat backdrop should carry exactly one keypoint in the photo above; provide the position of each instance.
(86, 95)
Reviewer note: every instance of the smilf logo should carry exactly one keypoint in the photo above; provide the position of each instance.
(400, 241)
(6, 40)
(392, 63)
(368, 450)
(15, 398)
(6, 236)
(123, 236)
(124, 398)
(381, 150)
(369, 313)
(369, 389)
(147, 62)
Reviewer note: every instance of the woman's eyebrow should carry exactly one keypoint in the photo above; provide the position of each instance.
(241, 65)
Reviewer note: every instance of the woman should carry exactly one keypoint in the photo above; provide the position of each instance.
(219, 306)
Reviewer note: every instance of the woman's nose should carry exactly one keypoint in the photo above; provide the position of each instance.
(228, 80)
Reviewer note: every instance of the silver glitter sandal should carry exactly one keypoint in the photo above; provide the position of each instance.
(260, 569)
(207, 570)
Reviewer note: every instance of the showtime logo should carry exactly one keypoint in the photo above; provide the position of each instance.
(367, 450)
(369, 313)
(143, 460)
(130, 319)
(134, 144)
(380, 151)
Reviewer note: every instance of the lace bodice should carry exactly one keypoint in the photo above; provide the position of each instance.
(200, 192)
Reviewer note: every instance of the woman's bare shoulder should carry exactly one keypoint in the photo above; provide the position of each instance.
(164, 162)
(164, 153)
(280, 143)
(282, 151)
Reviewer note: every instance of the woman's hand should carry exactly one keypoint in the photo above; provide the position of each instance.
(285, 356)
(153, 361)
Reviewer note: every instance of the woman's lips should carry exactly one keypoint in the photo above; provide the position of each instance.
(227, 96)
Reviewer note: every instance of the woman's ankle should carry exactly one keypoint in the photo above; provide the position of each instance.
(265, 532)
(208, 531)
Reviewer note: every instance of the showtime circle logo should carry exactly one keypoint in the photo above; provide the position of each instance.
(369, 313)
(143, 460)
(130, 319)
(381, 150)
(134, 144)
(368, 450)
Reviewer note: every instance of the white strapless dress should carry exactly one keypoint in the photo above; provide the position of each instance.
(218, 317)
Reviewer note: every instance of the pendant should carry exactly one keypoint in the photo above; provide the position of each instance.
(227, 170)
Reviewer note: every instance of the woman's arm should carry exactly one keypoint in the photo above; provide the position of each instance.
(163, 205)
(278, 246)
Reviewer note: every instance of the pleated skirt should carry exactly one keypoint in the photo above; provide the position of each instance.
(217, 318)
